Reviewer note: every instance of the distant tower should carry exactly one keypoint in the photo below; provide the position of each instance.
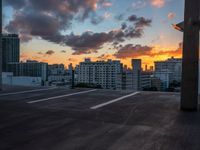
(0, 44)
(137, 68)
(146, 67)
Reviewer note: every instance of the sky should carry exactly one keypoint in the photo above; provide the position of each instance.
(68, 31)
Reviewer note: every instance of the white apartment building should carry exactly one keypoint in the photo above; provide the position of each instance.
(173, 65)
(103, 73)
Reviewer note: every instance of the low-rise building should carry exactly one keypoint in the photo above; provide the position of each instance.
(156, 84)
(164, 75)
(145, 80)
(29, 69)
(125, 80)
(9, 79)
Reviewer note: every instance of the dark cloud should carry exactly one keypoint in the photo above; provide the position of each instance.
(123, 26)
(142, 22)
(90, 42)
(139, 21)
(132, 51)
(97, 19)
(50, 52)
(63, 51)
(48, 18)
(132, 18)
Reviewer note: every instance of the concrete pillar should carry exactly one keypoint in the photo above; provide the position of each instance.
(189, 91)
(0, 44)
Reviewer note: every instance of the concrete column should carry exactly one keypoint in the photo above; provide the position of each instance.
(189, 91)
(0, 44)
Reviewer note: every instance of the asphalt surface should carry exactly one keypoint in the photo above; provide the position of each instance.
(63, 120)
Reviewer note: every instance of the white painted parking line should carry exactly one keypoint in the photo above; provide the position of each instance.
(113, 101)
(29, 91)
(61, 96)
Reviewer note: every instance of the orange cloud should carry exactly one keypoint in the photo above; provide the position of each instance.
(158, 3)
(23, 57)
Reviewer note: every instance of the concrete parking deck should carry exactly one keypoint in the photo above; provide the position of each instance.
(66, 121)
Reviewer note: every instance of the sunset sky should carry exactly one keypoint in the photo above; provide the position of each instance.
(67, 31)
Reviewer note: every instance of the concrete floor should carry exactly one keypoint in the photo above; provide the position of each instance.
(145, 121)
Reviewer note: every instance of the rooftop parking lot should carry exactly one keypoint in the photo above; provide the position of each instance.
(90, 119)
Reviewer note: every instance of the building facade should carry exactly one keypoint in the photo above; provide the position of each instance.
(10, 50)
(125, 80)
(10, 79)
(137, 68)
(164, 76)
(58, 74)
(145, 80)
(30, 69)
(172, 65)
(100, 73)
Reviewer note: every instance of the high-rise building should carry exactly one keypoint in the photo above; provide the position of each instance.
(10, 50)
(137, 68)
(100, 73)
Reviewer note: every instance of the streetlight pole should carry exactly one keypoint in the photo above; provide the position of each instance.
(190, 66)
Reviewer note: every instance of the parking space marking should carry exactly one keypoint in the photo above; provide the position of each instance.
(29, 91)
(113, 101)
(61, 96)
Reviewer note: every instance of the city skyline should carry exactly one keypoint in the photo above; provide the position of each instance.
(142, 29)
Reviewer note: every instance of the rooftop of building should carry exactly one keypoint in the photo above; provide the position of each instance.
(28, 62)
(172, 59)
(101, 61)
(88, 119)
(10, 35)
